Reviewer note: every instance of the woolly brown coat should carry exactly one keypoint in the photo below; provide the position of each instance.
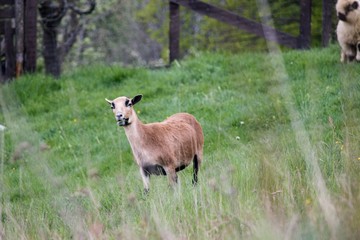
(160, 148)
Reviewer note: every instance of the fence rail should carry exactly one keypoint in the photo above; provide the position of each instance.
(300, 42)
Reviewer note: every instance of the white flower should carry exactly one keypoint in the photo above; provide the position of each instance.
(2, 128)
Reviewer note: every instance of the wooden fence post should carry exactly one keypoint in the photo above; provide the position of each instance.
(327, 9)
(19, 31)
(9, 50)
(30, 35)
(304, 39)
(174, 32)
(17, 37)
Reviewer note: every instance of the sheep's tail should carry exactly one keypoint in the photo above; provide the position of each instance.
(196, 169)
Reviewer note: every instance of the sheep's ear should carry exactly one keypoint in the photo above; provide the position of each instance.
(355, 5)
(136, 99)
(111, 103)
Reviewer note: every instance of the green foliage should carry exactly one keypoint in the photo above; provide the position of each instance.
(203, 33)
(75, 177)
(136, 32)
(112, 35)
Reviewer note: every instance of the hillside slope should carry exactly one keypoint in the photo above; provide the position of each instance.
(282, 151)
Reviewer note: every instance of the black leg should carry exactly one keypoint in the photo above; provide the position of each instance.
(196, 169)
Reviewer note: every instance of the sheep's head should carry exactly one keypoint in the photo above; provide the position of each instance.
(122, 108)
(348, 10)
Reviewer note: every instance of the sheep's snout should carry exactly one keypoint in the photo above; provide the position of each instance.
(118, 116)
(121, 120)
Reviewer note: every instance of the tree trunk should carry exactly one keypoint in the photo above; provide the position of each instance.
(50, 47)
(52, 12)
(50, 52)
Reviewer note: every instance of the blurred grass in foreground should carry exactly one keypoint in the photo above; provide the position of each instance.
(67, 169)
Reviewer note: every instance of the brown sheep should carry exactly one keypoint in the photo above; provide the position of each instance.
(160, 148)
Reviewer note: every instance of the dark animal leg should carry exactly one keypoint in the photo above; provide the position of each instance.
(196, 169)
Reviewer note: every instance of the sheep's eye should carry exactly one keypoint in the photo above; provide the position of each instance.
(127, 103)
(112, 105)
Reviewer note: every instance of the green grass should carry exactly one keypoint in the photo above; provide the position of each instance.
(269, 123)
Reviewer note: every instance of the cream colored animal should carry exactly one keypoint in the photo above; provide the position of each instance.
(348, 29)
(161, 148)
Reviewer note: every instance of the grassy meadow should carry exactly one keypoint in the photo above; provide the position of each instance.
(281, 154)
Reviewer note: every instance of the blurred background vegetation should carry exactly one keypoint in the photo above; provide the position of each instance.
(136, 32)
